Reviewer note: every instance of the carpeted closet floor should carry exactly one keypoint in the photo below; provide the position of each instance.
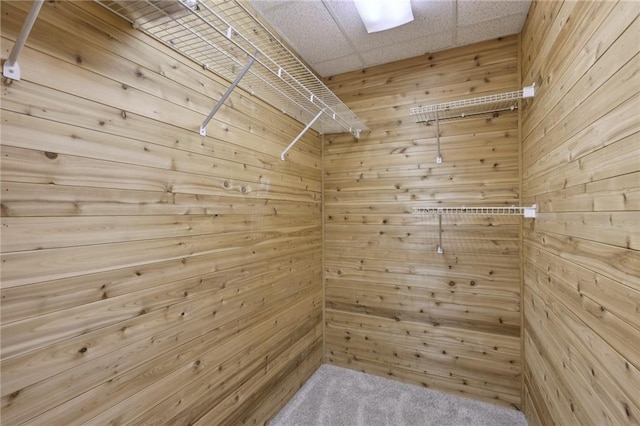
(336, 396)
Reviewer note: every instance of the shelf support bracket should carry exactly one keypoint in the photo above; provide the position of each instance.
(439, 157)
(440, 250)
(11, 69)
(529, 91)
(284, 153)
(529, 212)
(203, 126)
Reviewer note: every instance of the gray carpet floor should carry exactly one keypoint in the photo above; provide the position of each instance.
(335, 396)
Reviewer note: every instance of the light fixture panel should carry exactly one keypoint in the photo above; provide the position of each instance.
(381, 15)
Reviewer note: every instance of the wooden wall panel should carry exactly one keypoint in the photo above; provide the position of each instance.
(393, 306)
(581, 164)
(149, 275)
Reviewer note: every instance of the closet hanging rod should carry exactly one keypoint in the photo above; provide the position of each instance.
(474, 106)
(222, 36)
(527, 212)
(11, 68)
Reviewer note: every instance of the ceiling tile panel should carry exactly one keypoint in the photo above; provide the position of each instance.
(331, 38)
(339, 65)
(490, 29)
(407, 49)
(430, 17)
(266, 5)
(472, 12)
(309, 28)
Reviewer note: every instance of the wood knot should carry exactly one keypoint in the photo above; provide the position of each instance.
(50, 155)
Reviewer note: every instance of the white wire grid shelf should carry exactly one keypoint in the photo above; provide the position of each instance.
(478, 211)
(527, 212)
(224, 37)
(469, 107)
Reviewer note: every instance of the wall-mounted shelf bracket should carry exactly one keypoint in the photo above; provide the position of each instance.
(529, 91)
(11, 69)
(527, 212)
(439, 250)
(203, 126)
(308, 126)
(439, 156)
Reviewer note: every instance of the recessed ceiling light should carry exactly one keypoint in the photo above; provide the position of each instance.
(380, 15)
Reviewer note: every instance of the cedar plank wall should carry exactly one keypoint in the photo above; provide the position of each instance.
(393, 306)
(149, 274)
(581, 165)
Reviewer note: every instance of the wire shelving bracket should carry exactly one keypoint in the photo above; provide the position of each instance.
(11, 68)
(223, 37)
(203, 126)
(284, 153)
(527, 212)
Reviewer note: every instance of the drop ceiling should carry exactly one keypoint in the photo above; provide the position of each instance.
(331, 38)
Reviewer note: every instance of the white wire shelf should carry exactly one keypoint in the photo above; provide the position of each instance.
(470, 107)
(224, 37)
(529, 212)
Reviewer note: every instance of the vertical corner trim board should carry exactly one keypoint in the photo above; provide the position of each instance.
(581, 164)
(149, 274)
